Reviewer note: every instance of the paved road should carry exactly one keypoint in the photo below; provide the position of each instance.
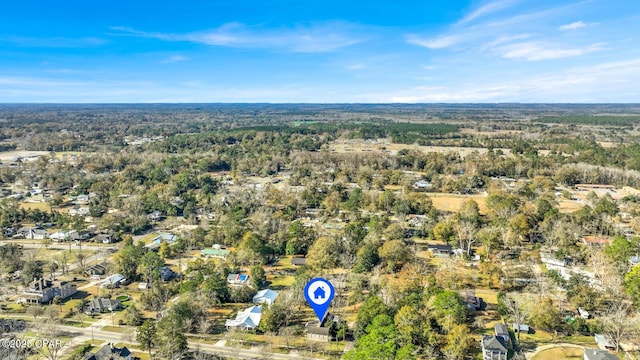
(99, 336)
(93, 332)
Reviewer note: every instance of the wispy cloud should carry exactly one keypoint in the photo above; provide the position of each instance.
(486, 9)
(318, 37)
(570, 85)
(573, 26)
(174, 59)
(437, 42)
(535, 51)
(53, 42)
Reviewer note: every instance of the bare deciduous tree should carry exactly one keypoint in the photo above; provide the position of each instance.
(620, 322)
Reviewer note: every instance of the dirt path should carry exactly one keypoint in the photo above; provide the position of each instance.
(530, 355)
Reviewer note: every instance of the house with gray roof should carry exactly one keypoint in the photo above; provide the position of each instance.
(110, 352)
(493, 348)
(101, 305)
(597, 354)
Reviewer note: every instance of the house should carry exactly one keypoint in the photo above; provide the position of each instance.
(166, 274)
(440, 250)
(59, 236)
(33, 233)
(551, 262)
(165, 237)
(502, 332)
(104, 238)
(237, 279)
(597, 354)
(155, 216)
(298, 261)
(101, 305)
(97, 269)
(113, 281)
(246, 319)
(215, 253)
(603, 342)
(266, 296)
(83, 211)
(110, 352)
(423, 184)
(596, 240)
(583, 313)
(493, 348)
(318, 333)
(522, 328)
(84, 198)
(43, 291)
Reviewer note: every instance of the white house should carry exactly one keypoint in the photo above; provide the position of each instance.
(246, 319)
(266, 296)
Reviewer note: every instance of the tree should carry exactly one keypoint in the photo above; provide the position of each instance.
(546, 316)
(513, 306)
(444, 231)
(366, 258)
(394, 253)
(257, 276)
(36, 312)
(146, 335)
(371, 308)
(324, 253)
(171, 336)
(57, 300)
(620, 322)
(459, 342)
(276, 316)
(449, 309)
(31, 271)
(632, 285)
(133, 316)
(82, 261)
(620, 250)
(408, 321)
(149, 266)
(378, 341)
(127, 260)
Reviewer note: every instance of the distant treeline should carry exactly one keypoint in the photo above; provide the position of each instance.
(403, 133)
(592, 120)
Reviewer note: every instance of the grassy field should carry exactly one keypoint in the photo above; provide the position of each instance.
(385, 145)
(453, 202)
(568, 206)
(558, 353)
(42, 206)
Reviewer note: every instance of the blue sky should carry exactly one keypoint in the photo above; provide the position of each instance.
(320, 51)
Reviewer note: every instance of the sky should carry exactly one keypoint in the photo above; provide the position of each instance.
(283, 51)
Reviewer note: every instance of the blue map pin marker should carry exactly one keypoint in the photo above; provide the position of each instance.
(319, 293)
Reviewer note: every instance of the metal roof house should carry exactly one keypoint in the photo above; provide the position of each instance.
(246, 319)
(266, 296)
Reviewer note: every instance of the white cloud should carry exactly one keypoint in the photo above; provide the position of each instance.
(318, 37)
(536, 50)
(486, 10)
(174, 59)
(53, 42)
(606, 82)
(437, 43)
(573, 26)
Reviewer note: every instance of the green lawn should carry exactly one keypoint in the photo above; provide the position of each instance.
(560, 353)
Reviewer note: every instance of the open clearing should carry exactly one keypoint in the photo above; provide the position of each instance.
(385, 145)
(560, 353)
(453, 202)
